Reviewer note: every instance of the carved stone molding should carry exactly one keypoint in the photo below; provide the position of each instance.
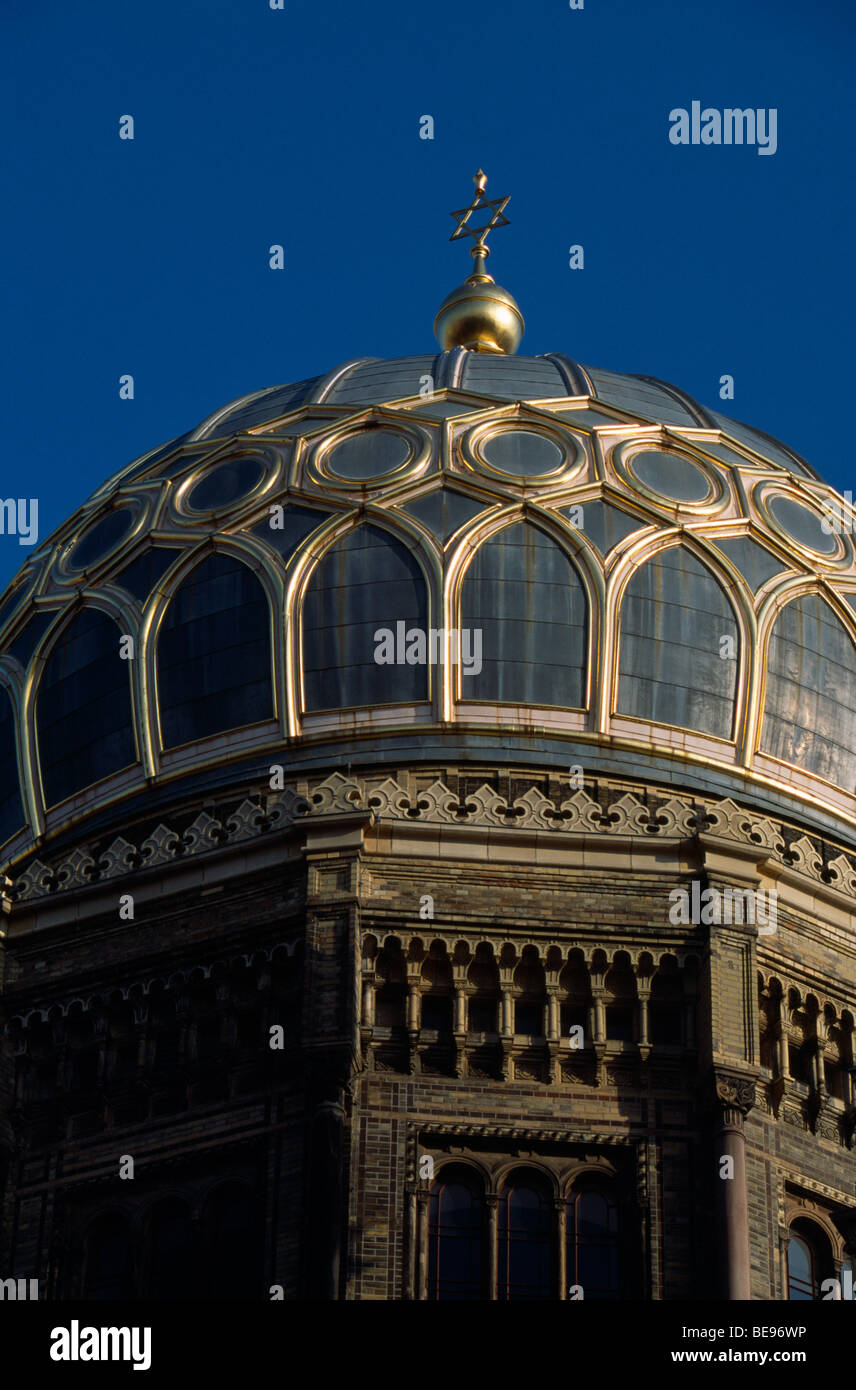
(675, 818)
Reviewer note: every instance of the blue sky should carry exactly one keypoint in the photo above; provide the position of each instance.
(301, 127)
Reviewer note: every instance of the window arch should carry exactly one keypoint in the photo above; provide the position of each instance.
(524, 595)
(171, 1250)
(456, 1228)
(809, 714)
(391, 997)
(11, 806)
(673, 617)
(108, 1259)
(368, 581)
(214, 653)
(592, 1242)
(233, 1248)
(83, 711)
(526, 1255)
(809, 1261)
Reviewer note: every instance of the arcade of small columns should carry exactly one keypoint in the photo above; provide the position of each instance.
(810, 1042)
(638, 997)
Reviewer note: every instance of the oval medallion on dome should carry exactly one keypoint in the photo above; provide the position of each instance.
(671, 476)
(372, 453)
(224, 484)
(522, 453)
(802, 525)
(102, 538)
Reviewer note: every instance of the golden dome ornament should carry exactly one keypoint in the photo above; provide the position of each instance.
(480, 315)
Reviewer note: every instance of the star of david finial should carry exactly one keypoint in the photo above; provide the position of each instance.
(480, 251)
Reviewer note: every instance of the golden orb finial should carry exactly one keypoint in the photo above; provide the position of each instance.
(480, 315)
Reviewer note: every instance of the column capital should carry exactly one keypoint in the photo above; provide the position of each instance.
(734, 1094)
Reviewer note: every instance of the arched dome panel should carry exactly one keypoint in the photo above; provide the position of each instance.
(11, 806)
(214, 653)
(672, 671)
(809, 714)
(83, 711)
(367, 582)
(524, 595)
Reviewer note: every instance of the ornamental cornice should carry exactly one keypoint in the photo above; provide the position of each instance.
(619, 813)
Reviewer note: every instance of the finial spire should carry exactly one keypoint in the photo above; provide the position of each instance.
(480, 315)
(480, 250)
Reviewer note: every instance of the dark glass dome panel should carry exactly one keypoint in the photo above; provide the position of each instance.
(141, 576)
(101, 538)
(444, 511)
(277, 400)
(366, 582)
(802, 525)
(11, 807)
(11, 603)
(671, 476)
(604, 524)
(155, 457)
(522, 453)
(754, 561)
(225, 483)
(83, 710)
(297, 524)
(30, 635)
(214, 653)
(523, 593)
(673, 618)
(809, 715)
(369, 454)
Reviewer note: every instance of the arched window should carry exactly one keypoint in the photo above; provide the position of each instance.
(484, 1002)
(83, 713)
(11, 807)
(809, 1261)
(666, 1006)
(592, 1240)
(214, 653)
(391, 997)
(802, 1270)
(108, 1259)
(621, 998)
(809, 718)
(672, 671)
(173, 1271)
(437, 992)
(526, 1256)
(456, 1262)
(524, 595)
(369, 581)
(530, 1005)
(232, 1245)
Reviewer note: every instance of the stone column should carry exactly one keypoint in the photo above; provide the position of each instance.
(325, 1217)
(735, 1096)
(368, 1017)
(422, 1247)
(643, 991)
(562, 1258)
(492, 1204)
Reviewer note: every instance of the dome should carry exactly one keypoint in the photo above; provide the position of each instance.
(463, 556)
